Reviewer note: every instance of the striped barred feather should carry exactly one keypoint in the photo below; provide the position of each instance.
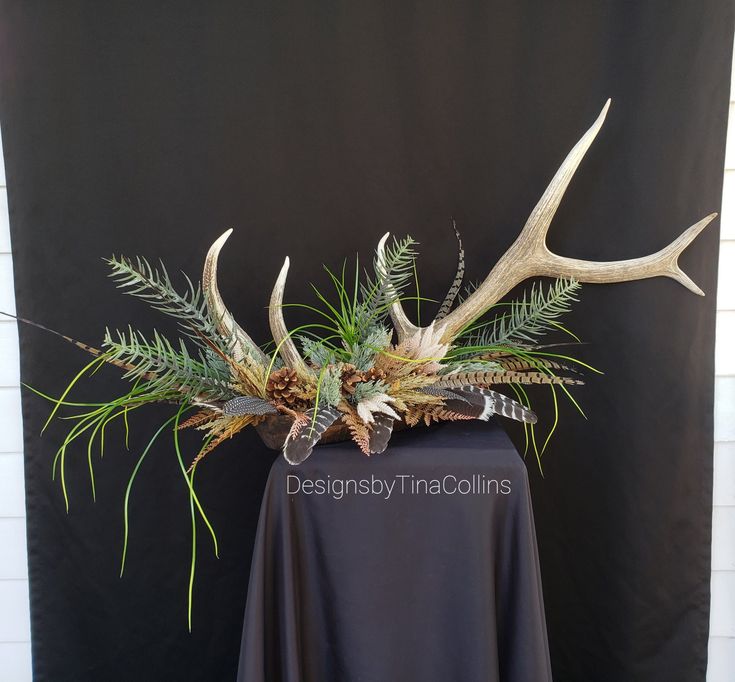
(380, 433)
(460, 379)
(298, 450)
(535, 364)
(493, 402)
(439, 392)
(458, 404)
(247, 404)
(446, 306)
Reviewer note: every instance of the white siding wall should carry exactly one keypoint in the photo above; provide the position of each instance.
(15, 629)
(15, 647)
(722, 620)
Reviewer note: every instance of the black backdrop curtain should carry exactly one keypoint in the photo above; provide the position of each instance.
(312, 128)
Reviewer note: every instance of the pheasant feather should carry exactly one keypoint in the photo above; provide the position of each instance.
(446, 306)
(461, 379)
(493, 402)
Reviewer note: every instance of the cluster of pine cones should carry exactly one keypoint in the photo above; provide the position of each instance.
(283, 384)
(351, 376)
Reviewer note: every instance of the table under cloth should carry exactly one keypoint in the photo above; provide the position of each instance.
(433, 579)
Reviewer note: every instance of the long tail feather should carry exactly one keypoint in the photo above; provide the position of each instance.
(446, 306)
(460, 379)
(459, 405)
(493, 402)
(439, 392)
(535, 364)
(79, 344)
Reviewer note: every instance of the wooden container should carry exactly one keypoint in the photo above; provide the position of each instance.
(274, 429)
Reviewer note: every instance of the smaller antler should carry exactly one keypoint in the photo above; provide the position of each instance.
(281, 337)
(244, 346)
(402, 324)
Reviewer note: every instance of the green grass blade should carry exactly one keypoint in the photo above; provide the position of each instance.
(128, 489)
(77, 377)
(189, 483)
(556, 419)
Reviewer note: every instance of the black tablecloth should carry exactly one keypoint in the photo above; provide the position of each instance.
(436, 579)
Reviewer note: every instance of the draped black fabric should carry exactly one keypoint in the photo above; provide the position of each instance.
(312, 128)
(423, 567)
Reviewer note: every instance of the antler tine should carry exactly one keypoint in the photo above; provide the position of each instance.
(663, 263)
(537, 225)
(520, 261)
(281, 337)
(244, 346)
(403, 326)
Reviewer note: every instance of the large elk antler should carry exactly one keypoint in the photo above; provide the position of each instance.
(529, 257)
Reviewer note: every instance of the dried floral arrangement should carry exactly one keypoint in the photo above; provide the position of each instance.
(362, 367)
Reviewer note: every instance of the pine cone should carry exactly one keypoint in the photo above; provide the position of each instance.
(374, 374)
(283, 385)
(351, 376)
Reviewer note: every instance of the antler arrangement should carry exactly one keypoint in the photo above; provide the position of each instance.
(363, 368)
(423, 374)
(352, 375)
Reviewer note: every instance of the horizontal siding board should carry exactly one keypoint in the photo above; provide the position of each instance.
(725, 409)
(723, 531)
(15, 661)
(13, 558)
(11, 435)
(9, 354)
(12, 498)
(7, 292)
(725, 343)
(722, 614)
(720, 666)
(727, 216)
(4, 222)
(724, 490)
(15, 620)
(726, 276)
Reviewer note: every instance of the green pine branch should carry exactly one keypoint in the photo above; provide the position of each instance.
(524, 321)
(153, 285)
(167, 368)
(390, 280)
